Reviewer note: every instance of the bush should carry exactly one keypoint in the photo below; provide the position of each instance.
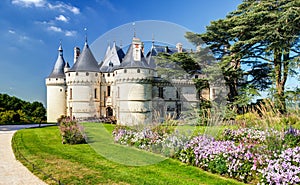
(71, 132)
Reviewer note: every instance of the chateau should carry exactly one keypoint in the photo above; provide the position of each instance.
(125, 87)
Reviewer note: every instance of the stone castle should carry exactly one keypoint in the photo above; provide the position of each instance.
(124, 87)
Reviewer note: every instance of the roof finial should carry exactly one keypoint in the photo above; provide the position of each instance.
(85, 29)
(60, 48)
(134, 31)
(152, 39)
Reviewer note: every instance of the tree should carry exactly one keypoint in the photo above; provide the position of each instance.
(14, 110)
(263, 34)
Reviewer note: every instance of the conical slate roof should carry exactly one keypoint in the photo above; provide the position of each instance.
(128, 61)
(86, 61)
(58, 70)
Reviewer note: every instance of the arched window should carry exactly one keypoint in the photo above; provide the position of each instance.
(138, 70)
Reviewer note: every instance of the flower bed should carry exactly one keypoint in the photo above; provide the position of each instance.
(248, 154)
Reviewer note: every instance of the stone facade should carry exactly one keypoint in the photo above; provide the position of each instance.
(125, 87)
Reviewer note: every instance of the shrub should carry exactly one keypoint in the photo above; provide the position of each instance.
(71, 132)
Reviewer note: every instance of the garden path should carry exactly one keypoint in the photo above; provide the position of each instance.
(12, 172)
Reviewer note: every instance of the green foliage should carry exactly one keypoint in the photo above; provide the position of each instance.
(263, 36)
(15, 110)
(218, 165)
(71, 132)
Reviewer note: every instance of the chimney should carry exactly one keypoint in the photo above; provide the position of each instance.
(179, 47)
(137, 49)
(76, 53)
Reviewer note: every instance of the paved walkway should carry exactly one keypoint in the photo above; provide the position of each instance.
(12, 172)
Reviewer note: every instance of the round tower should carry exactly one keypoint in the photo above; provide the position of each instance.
(134, 87)
(56, 89)
(83, 86)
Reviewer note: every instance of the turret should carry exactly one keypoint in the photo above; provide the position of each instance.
(83, 81)
(134, 87)
(56, 89)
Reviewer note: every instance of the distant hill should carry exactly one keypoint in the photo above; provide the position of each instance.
(15, 110)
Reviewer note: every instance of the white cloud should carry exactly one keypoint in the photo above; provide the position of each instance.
(67, 33)
(62, 18)
(55, 29)
(59, 5)
(28, 3)
(11, 31)
(62, 7)
(70, 33)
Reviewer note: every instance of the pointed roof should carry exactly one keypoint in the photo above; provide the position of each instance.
(150, 57)
(58, 70)
(86, 61)
(128, 61)
(112, 59)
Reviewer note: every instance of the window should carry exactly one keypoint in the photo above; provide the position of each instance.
(76, 73)
(87, 74)
(108, 90)
(196, 76)
(108, 74)
(160, 92)
(96, 74)
(71, 93)
(138, 70)
(125, 70)
(104, 94)
(103, 75)
(95, 93)
(69, 74)
(177, 95)
(118, 95)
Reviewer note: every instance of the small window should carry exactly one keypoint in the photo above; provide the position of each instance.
(196, 76)
(177, 95)
(76, 73)
(71, 93)
(69, 74)
(49, 79)
(125, 70)
(60, 90)
(95, 93)
(108, 74)
(87, 74)
(96, 74)
(138, 70)
(56, 79)
(103, 75)
(160, 92)
(108, 90)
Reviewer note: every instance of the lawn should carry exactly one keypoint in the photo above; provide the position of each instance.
(83, 164)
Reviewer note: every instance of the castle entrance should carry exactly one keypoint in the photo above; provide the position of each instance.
(109, 112)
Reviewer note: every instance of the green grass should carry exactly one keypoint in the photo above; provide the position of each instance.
(81, 164)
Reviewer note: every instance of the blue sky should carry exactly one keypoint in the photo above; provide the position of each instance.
(31, 30)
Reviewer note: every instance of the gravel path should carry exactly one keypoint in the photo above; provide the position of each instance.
(12, 172)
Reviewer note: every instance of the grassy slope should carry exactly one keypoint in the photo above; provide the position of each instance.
(80, 164)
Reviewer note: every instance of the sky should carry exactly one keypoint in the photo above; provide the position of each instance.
(31, 30)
